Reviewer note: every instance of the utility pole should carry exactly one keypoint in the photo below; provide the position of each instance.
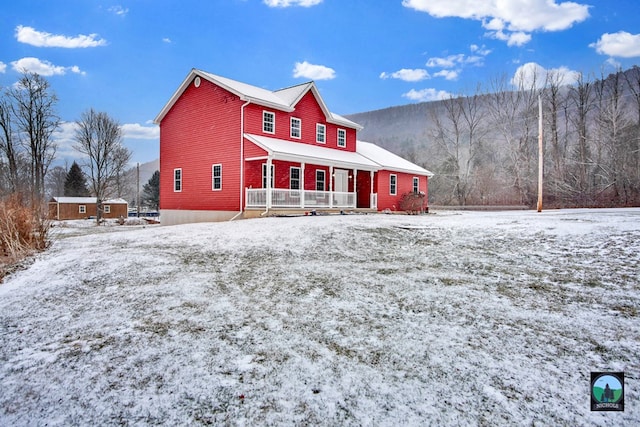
(540, 154)
(138, 189)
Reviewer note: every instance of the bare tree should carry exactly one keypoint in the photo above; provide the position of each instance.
(55, 181)
(33, 108)
(99, 137)
(8, 147)
(582, 99)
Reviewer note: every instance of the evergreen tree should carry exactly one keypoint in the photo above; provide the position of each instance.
(75, 185)
(151, 191)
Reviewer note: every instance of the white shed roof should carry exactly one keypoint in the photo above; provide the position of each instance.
(387, 160)
(88, 200)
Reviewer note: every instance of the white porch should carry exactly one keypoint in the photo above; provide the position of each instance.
(277, 198)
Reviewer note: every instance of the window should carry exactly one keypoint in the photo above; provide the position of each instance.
(294, 178)
(264, 175)
(320, 133)
(416, 185)
(393, 180)
(342, 138)
(268, 122)
(296, 126)
(106, 208)
(216, 177)
(177, 180)
(320, 180)
(82, 209)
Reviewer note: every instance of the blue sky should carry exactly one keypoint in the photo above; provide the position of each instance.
(128, 57)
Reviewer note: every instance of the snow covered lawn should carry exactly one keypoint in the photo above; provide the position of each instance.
(448, 319)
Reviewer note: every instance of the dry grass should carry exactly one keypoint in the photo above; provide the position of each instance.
(22, 232)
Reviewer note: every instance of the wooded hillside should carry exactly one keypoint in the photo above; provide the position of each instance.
(483, 148)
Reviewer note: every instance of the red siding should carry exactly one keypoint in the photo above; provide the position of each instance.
(201, 129)
(404, 184)
(309, 112)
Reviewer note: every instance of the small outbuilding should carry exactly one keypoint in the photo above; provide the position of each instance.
(61, 208)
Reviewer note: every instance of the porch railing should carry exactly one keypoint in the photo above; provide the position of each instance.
(306, 199)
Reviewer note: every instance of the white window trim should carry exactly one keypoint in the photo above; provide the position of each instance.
(344, 142)
(213, 176)
(299, 128)
(106, 208)
(323, 180)
(324, 133)
(82, 209)
(273, 123)
(300, 179)
(264, 175)
(393, 184)
(177, 180)
(416, 185)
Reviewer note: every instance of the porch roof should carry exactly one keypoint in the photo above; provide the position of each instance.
(280, 149)
(389, 161)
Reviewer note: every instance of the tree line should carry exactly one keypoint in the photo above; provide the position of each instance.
(483, 148)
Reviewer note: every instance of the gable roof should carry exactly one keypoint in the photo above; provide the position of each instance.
(387, 160)
(283, 99)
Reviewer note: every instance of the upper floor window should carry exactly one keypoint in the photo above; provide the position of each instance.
(216, 177)
(393, 181)
(268, 122)
(342, 138)
(296, 126)
(321, 131)
(177, 180)
(416, 185)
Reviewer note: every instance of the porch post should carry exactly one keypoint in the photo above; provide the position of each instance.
(302, 185)
(268, 183)
(355, 191)
(371, 192)
(330, 186)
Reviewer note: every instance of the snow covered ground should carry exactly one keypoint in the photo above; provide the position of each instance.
(472, 318)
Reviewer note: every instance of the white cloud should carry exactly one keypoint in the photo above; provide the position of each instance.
(511, 20)
(118, 10)
(289, 3)
(534, 75)
(3, 67)
(313, 72)
(425, 95)
(43, 67)
(137, 131)
(448, 62)
(37, 38)
(167, 40)
(407, 75)
(64, 137)
(448, 74)
(480, 50)
(621, 44)
(517, 38)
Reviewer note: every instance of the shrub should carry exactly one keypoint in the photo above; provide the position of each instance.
(412, 203)
(22, 232)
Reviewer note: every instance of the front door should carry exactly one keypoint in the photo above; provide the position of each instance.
(341, 181)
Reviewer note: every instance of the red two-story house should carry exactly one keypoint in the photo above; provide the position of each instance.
(229, 149)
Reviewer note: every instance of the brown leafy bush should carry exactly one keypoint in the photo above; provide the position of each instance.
(412, 203)
(22, 232)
